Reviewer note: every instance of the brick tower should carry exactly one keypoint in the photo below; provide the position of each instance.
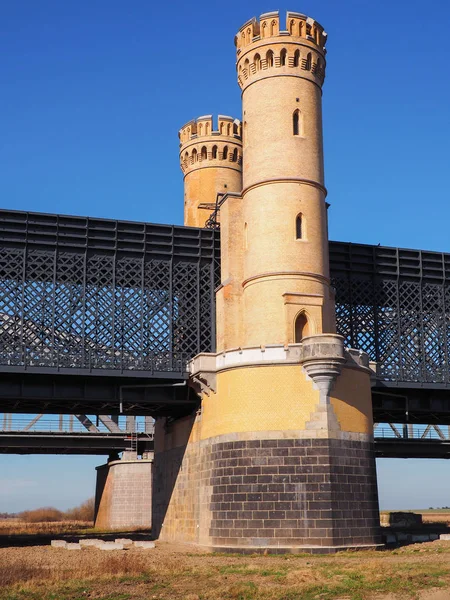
(280, 457)
(211, 161)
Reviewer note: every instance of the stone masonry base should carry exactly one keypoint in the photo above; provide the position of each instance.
(123, 495)
(276, 495)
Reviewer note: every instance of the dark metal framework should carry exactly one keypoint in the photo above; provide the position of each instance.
(132, 302)
(395, 305)
(97, 296)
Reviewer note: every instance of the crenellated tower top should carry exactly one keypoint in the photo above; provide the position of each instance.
(297, 50)
(211, 161)
(200, 142)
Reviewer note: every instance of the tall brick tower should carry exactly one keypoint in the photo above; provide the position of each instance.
(211, 161)
(280, 457)
(286, 274)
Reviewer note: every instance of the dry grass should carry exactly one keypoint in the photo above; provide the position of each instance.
(436, 517)
(173, 573)
(20, 527)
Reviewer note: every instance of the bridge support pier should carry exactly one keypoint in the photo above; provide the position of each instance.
(280, 459)
(123, 495)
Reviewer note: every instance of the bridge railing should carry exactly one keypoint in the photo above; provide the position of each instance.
(412, 432)
(92, 360)
(88, 425)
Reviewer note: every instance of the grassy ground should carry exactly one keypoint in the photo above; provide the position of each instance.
(19, 527)
(175, 573)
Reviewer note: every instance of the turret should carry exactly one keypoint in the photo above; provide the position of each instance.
(286, 287)
(211, 161)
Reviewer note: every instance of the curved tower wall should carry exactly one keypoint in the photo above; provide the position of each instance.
(211, 161)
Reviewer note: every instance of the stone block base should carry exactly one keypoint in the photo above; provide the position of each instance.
(271, 494)
(123, 498)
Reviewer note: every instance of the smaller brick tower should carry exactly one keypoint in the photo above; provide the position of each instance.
(211, 162)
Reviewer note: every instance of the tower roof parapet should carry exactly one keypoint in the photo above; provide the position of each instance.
(203, 146)
(264, 50)
(204, 127)
(268, 26)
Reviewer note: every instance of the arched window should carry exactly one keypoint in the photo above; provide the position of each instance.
(307, 62)
(235, 155)
(200, 129)
(296, 58)
(204, 153)
(272, 27)
(299, 226)
(302, 328)
(297, 123)
(225, 153)
(229, 129)
(194, 155)
(246, 67)
(283, 55)
(186, 157)
(257, 61)
(319, 67)
(269, 59)
(214, 152)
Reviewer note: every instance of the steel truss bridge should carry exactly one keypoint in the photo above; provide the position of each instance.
(99, 317)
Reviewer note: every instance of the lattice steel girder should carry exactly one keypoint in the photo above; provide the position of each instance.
(89, 296)
(94, 295)
(395, 305)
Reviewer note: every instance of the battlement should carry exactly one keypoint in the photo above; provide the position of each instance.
(201, 145)
(297, 51)
(298, 26)
(204, 127)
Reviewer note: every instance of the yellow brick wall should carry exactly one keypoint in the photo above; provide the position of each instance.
(351, 398)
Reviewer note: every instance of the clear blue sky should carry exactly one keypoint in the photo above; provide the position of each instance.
(92, 97)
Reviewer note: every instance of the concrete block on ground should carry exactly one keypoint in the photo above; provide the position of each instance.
(58, 543)
(420, 537)
(90, 542)
(73, 546)
(144, 545)
(126, 543)
(402, 520)
(445, 537)
(391, 538)
(110, 546)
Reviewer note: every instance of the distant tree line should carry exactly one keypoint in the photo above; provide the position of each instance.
(49, 514)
